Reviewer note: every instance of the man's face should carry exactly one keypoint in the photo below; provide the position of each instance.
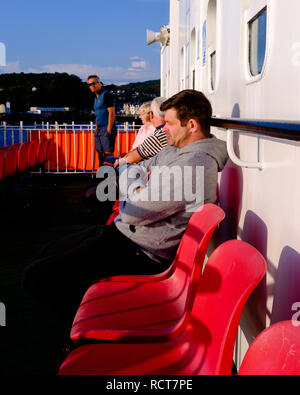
(94, 84)
(177, 135)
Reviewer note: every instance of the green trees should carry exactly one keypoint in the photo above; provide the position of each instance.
(63, 90)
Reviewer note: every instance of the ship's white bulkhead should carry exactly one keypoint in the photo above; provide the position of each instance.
(245, 56)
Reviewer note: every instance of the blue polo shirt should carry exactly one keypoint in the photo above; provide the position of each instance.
(101, 103)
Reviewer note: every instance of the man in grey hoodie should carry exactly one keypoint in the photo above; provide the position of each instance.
(155, 208)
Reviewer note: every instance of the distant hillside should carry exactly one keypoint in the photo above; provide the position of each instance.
(64, 90)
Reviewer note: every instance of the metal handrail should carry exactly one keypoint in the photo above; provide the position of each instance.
(287, 130)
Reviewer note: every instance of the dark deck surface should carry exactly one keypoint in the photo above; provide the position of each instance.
(33, 211)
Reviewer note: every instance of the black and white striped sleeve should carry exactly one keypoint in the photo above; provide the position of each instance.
(153, 144)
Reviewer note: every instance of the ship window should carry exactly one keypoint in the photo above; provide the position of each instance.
(213, 70)
(257, 42)
(193, 57)
(182, 68)
(193, 46)
(211, 43)
(194, 79)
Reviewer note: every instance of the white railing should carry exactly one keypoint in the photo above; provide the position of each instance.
(13, 134)
(75, 151)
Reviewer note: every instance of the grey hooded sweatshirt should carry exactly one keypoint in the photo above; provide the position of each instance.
(181, 180)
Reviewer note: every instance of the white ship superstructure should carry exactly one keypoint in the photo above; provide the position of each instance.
(245, 56)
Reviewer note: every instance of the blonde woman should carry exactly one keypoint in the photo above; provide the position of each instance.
(147, 129)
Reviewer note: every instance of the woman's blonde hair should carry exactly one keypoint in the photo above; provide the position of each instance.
(146, 108)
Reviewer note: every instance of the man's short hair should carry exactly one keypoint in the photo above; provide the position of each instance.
(94, 76)
(156, 107)
(191, 104)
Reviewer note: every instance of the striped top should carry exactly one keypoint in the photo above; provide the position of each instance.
(153, 144)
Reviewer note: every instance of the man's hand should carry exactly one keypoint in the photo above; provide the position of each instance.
(120, 162)
(116, 164)
(139, 189)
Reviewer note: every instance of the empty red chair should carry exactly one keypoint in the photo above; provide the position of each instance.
(23, 157)
(32, 153)
(131, 311)
(2, 161)
(42, 151)
(50, 149)
(11, 160)
(276, 351)
(206, 346)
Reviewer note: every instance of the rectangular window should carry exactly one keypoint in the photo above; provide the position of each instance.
(194, 79)
(257, 42)
(213, 70)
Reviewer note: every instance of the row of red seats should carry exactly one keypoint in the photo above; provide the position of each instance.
(21, 157)
(180, 322)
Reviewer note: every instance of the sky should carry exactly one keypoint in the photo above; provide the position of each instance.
(104, 37)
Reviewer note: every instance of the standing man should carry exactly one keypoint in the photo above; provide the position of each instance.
(106, 131)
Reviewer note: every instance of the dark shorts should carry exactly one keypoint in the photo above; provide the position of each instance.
(104, 141)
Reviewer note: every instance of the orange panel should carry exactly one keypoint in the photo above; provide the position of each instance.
(75, 150)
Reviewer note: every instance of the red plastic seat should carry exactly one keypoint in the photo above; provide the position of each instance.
(150, 310)
(206, 346)
(50, 149)
(2, 162)
(42, 151)
(183, 246)
(276, 351)
(11, 160)
(115, 212)
(23, 157)
(32, 153)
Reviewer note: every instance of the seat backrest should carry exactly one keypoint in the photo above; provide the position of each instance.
(42, 151)
(231, 274)
(2, 157)
(11, 160)
(32, 153)
(23, 157)
(114, 214)
(188, 263)
(50, 149)
(197, 235)
(275, 351)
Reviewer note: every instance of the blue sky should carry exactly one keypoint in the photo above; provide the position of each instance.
(106, 37)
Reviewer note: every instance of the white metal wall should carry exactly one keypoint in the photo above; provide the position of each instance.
(263, 203)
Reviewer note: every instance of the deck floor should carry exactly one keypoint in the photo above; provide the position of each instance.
(33, 211)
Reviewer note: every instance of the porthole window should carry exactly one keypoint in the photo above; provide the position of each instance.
(257, 28)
